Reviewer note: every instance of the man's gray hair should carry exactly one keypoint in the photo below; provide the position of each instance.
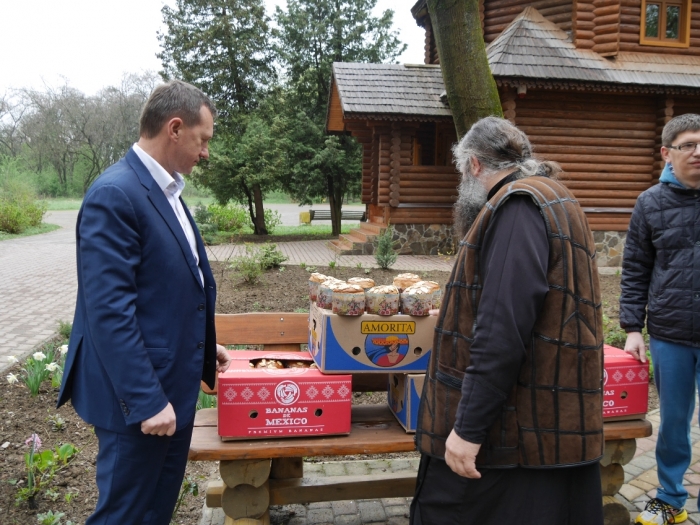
(173, 99)
(499, 145)
(678, 125)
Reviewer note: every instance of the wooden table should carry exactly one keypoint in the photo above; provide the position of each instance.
(259, 473)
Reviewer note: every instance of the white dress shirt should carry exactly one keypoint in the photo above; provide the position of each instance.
(172, 187)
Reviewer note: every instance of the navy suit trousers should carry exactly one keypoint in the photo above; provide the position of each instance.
(139, 477)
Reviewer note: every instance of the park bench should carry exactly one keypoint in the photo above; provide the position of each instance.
(258, 473)
(345, 215)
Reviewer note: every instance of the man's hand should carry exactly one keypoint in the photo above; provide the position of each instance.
(223, 359)
(162, 424)
(460, 456)
(635, 346)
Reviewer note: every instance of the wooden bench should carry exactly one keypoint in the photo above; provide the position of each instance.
(345, 215)
(258, 473)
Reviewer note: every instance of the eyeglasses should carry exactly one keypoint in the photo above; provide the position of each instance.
(687, 147)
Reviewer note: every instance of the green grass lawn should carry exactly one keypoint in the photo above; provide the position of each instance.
(62, 203)
(36, 230)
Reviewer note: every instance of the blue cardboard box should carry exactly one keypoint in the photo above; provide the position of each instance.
(404, 398)
(370, 343)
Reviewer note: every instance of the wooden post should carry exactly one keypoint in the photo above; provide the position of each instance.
(395, 165)
(620, 451)
(253, 472)
(246, 501)
(264, 520)
(614, 512)
(286, 468)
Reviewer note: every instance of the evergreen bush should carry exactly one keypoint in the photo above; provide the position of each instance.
(384, 252)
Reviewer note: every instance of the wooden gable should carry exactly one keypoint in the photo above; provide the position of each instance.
(335, 120)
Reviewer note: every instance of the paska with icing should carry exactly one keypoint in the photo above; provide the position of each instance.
(404, 280)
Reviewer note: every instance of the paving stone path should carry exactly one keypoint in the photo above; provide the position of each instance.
(38, 287)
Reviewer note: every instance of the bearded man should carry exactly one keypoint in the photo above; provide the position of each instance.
(510, 425)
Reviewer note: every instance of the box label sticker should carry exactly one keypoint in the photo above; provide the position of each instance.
(389, 327)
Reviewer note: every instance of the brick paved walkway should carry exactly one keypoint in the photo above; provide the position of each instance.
(38, 286)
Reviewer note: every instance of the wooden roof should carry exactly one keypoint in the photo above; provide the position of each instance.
(533, 47)
(392, 90)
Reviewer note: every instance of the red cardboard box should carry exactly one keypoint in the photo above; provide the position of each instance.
(626, 385)
(288, 402)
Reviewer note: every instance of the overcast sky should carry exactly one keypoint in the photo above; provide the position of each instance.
(91, 43)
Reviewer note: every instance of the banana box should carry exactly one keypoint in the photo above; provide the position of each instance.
(404, 398)
(370, 343)
(264, 403)
(626, 385)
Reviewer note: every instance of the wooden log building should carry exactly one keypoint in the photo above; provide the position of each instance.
(592, 83)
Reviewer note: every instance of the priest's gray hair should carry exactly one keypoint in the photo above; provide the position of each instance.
(499, 145)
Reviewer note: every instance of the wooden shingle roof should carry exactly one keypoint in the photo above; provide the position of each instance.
(530, 48)
(390, 89)
(533, 47)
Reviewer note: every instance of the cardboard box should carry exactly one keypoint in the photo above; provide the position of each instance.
(370, 343)
(288, 402)
(404, 398)
(626, 385)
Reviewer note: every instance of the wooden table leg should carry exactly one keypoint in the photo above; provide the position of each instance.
(246, 494)
(617, 453)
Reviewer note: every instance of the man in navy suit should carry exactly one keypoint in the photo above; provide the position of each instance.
(143, 333)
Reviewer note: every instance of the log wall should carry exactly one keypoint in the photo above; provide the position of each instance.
(364, 135)
(499, 13)
(630, 20)
(683, 105)
(606, 33)
(604, 143)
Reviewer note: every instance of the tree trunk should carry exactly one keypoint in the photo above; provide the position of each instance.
(336, 206)
(471, 89)
(259, 221)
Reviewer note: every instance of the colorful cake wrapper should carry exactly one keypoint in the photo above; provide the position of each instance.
(382, 303)
(348, 303)
(418, 305)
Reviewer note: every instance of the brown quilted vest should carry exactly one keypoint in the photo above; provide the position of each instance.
(553, 415)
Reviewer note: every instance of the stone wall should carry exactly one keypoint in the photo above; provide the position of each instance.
(424, 239)
(609, 247)
(436, 239)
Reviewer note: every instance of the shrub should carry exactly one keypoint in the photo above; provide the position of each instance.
(227, 218)
(384, 252)
(270, 257)
(256, 260)
(64, 329)
(272, 220)
(19, 208)
(248, 265)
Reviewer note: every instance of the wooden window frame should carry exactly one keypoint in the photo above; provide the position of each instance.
(684, 25)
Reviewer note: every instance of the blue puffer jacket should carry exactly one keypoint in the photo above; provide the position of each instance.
(661, 267)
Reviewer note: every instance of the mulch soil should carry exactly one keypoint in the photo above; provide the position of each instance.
(72, 490)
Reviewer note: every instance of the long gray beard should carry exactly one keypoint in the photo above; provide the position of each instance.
(471, 199)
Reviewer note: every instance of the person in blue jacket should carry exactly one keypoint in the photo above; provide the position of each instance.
(143, 333)
(661, 285)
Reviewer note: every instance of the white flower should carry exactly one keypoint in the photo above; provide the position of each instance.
(39, 356)
(52, 367)
(12, 359)
(12, 378)
(64, 349)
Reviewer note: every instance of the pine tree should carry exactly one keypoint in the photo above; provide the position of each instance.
(384, 252)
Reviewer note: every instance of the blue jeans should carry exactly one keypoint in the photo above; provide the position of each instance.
(676, 373)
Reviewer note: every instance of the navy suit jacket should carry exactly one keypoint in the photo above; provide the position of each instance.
(143, 333)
